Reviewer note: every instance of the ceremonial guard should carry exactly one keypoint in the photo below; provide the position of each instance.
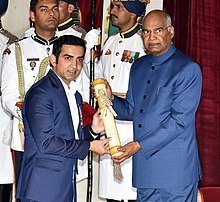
(69, 25)
(6, 168)
(118, 54)
(24, 63)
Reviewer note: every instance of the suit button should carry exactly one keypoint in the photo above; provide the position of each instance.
(148, 82)
(139, 125)
(153, 68)
(145, 97)
(114, 65)
(117, 53)
(112, 77)
(141, 110)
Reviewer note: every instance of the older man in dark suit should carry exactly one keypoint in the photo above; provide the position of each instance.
(162, 99)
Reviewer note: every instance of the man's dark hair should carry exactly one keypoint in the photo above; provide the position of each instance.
(33, 4)
(67, 40)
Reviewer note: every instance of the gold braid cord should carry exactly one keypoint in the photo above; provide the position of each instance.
(21, 82)
(42, 69)
(21, 89)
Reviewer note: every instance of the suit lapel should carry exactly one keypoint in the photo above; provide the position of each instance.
(79, 106)
(58, 87)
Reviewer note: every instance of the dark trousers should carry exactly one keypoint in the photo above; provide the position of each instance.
(5, 192)
(18, 159)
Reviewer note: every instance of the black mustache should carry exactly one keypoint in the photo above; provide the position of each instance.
(114, 15)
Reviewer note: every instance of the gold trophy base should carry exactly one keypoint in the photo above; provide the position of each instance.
(114, 151)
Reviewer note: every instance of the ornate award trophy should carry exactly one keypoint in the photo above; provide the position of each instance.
(108, 114)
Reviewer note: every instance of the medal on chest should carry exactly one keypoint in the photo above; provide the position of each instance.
(33, 62)
(129, 56)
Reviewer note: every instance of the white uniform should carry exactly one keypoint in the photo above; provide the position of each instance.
(6, 168)
(118, 54)
(82, 81)
(34, 50)
(69, 28)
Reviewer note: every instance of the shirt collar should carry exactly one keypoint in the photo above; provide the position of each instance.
(42, 41)
(68, 23)
(133, 30)
(162, 58)
(68, 89)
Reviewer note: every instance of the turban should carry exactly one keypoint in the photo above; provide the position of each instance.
(3, 6)
(134, 6)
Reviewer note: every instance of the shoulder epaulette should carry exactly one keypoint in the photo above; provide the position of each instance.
(11, 38)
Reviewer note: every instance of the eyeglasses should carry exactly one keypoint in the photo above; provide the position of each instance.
(156, 31)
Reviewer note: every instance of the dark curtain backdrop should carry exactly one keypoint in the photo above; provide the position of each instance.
(85, 8)
(197, 26)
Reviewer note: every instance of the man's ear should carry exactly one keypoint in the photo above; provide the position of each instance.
(133, 15)
(71, 8)
(32, 16)
(53, 60)
(172, 32)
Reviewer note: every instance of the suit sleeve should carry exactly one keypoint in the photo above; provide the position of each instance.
(125, 107)
(46, 121)
(184, 105)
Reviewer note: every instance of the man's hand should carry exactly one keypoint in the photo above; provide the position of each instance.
(108, 89)
(128, 150)
(97, 123)
(100, 147)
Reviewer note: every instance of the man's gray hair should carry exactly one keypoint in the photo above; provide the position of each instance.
(169, 21)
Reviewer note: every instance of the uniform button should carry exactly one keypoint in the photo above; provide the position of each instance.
(153, 68)
(33, 76)
(112, 77)
(139, 125)
(120, 41)
(148, 82)
(48, 49)
(114, 65)
(117, 53)
(145, 97)
(141, 110)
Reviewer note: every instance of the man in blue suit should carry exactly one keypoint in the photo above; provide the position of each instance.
(54, 138)
(162, 99)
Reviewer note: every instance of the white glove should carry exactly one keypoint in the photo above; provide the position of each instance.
(92, 38)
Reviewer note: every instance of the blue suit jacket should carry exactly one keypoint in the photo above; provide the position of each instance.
(50, 151)
(162, 100)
